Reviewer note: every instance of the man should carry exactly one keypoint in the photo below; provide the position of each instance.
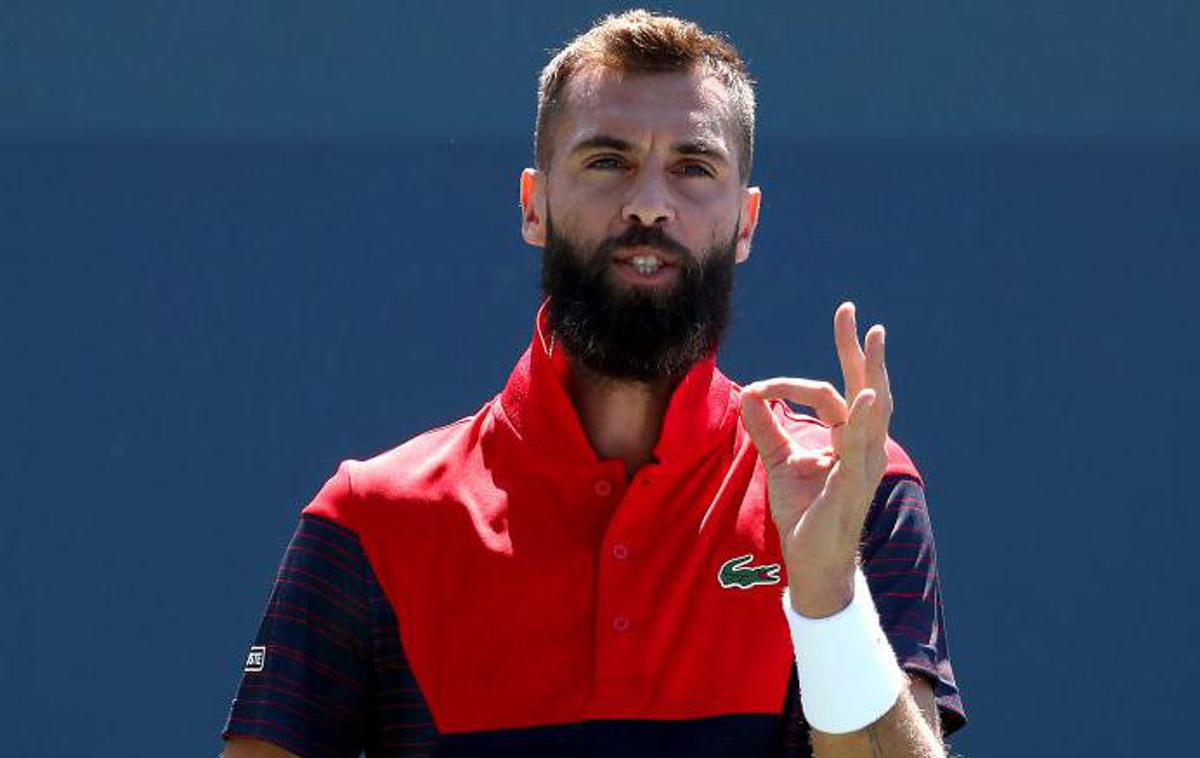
(596, 562)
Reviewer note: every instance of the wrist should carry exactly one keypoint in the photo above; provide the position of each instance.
(847, 671)
(818, 594)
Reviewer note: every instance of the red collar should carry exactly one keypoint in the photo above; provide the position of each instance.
(701, 412)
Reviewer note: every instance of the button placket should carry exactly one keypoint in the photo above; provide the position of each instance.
(621, 620)
(617, 619)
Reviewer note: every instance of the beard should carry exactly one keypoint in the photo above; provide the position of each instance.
(629, 332)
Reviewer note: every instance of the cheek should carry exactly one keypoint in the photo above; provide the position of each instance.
(719, 202)
(722, 238)
(719, 229)
(567, 227)
(580, 208)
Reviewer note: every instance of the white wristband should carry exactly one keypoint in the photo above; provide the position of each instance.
(847, 670)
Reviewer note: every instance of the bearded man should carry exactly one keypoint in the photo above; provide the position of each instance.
(623, 552)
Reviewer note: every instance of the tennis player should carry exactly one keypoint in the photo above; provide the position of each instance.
(623, 552)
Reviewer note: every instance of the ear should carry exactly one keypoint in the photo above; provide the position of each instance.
(751, 202)
(533, 207)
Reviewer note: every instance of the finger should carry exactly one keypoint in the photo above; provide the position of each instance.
(877, 379)
(855, 435)
(850, 479)
(822, 397)
(767, 434)
(850, 354)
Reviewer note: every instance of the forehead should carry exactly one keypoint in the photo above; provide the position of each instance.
(637, 106)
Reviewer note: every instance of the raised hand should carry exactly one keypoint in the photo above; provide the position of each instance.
(819, 498)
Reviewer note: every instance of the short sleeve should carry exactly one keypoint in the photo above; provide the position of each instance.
(307, 676)
(900, 563)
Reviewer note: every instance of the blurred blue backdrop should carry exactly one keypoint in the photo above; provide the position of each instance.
(242, 241)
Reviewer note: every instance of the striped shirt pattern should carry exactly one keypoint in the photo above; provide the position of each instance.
(335, 681)
(900, 562)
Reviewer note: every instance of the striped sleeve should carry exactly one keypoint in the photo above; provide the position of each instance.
(401, 723)
(900, 562)
(306, 684)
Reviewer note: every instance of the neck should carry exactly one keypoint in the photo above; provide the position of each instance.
(622, 419)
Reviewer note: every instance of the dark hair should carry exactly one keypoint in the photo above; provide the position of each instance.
(641, 41)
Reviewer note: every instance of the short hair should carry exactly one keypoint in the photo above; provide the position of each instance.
(645, 42)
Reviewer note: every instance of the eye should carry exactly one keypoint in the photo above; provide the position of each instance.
(695, 169)
(606, 162)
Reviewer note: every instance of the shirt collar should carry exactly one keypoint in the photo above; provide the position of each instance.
(700, 413)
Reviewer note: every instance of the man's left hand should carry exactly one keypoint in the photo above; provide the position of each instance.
(819, 498)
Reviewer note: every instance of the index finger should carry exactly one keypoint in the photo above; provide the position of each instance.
(822, 397)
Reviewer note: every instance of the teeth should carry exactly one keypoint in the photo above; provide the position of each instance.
(646, 264)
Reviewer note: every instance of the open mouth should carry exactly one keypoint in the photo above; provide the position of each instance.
(645, 268)
(645, 264)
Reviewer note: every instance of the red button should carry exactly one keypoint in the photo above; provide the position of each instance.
(603, 488)
(620, 551)
(620, 623)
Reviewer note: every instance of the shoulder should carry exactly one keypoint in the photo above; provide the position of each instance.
(410, 472)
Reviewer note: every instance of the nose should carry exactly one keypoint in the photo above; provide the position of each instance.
(648, 204)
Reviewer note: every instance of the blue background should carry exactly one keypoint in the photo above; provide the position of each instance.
(242, 241)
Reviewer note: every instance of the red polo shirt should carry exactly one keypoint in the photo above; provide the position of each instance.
(533, 584)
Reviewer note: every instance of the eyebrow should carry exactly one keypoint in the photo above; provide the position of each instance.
(602, 141)
(702, 147)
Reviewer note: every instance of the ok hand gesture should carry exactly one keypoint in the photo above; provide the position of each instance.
(819, 498)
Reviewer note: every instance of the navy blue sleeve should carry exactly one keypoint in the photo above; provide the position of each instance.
(900, 562)
(306, 683)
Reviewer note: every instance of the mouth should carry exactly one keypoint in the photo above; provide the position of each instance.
(645, 263)
(645, 273)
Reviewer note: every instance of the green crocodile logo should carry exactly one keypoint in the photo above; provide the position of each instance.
(735, 573)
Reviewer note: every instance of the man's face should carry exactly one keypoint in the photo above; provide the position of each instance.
(642, 215)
